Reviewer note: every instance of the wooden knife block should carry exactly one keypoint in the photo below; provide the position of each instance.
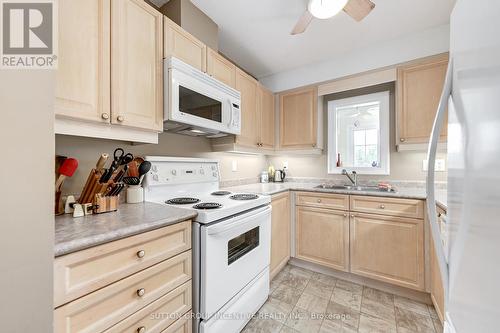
(105, 204)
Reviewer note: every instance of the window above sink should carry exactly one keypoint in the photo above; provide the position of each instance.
(358, 134)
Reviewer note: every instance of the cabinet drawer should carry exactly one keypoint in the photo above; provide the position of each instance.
(322, 200)
(183, 325)
(388, 206)
(82, 272)
(158, 315)
(107, 306)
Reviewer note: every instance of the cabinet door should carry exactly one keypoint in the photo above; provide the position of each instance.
(298, 119)
(322, 237)
(184, 46)
(247, 85)
(221, 68)
(389, 249)
(83, 74)
(280, 232)
(266, 118)
(137, 65)
(419, 89)
(437, 291)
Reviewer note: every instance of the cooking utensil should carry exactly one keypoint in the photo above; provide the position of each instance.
(67, 169)
(131, 180)
(133, 170)
(144, 169)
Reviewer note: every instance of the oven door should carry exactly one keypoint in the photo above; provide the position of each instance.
(233, 253)
(198, 101)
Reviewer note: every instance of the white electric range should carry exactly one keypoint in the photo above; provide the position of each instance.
(231, 240)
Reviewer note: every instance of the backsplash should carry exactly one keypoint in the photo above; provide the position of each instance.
(87, 151)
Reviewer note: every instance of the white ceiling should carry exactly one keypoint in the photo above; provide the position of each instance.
(255, 34)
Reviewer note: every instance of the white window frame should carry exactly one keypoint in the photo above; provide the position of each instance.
(385, 159)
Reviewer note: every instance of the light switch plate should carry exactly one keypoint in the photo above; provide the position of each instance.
(285, 165)
(439, 166)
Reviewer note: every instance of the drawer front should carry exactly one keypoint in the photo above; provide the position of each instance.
(388, 206)
(85, 271)
(323, 200)
(183, 325)
(107, 306)
(158, 315)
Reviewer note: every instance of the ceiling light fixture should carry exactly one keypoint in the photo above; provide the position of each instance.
(324, 9)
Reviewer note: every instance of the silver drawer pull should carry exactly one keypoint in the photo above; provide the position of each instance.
(319, 200)
(141, 329)
(382, 206)
(141, 254)
(345, 215)
(141, 292)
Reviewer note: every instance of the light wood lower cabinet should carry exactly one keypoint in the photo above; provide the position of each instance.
(105, 307)
(280, 232)
(387, 206)
(437, 291)
(323, 200)
(322, 236)
(390, 249)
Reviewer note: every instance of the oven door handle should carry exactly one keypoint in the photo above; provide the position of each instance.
(237, 221)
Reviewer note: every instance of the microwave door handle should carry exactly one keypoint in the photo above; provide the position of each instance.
(230, 113)
(431, 158)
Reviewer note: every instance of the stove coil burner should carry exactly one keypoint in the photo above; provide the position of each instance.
(207, 205)
(244, 196)
(220, 193)
(182, 201)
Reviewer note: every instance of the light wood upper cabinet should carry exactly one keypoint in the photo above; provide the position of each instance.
(83, 74)
(418, 90)
(248, 87)
(221, 68)
(280, 232)
(184, 46)
(322, 237)
(298, 118)
(389, 249)
(266, 117)
(137, 65)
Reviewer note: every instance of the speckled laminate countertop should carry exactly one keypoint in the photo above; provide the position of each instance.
(74, 234)
(274, 188)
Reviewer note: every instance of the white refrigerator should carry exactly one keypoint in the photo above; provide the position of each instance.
(471, 268)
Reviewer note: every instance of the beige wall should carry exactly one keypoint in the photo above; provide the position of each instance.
(87, 151)
(405, 166)
(27, 200)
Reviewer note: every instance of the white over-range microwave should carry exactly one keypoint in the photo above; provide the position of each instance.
(196, 104)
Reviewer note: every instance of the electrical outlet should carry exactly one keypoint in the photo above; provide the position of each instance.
(234, 166)
(439, 166)
(285, 165)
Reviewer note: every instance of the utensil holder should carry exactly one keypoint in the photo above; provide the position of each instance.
(105, 204)
(58, 205)
(135, 194)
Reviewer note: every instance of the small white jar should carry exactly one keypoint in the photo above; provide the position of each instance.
(135, 194)
(264, 177)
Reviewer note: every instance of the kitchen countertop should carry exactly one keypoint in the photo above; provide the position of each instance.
(74, 234)
(275, 188)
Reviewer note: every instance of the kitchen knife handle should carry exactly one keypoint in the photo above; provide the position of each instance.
(102, 161)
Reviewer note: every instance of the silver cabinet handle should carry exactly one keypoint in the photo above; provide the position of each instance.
(141, 329)
(345, 215)
(120, 118)
(319, 200)
(352, 215)
(402, 139)
(141, 292)
(382, 206)
(141, 254)
(105, 116)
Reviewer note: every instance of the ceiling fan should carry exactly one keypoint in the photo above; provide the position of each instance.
(324, 9)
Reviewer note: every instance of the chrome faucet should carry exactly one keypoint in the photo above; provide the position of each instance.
(354, 179)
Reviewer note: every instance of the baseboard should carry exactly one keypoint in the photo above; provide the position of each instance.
(278, 268)
(438, 310)
(393, 289)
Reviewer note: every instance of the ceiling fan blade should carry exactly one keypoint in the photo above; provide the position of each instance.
(302, 23)
(359, 9)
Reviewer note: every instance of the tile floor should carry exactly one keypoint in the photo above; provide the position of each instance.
(309, 302)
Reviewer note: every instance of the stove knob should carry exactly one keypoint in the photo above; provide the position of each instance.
(214, 174)
(213, 167)
(154, 168)
(174, 172)
(155, 177)
(202, 172)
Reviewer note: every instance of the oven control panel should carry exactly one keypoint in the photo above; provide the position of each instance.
(182, 171)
